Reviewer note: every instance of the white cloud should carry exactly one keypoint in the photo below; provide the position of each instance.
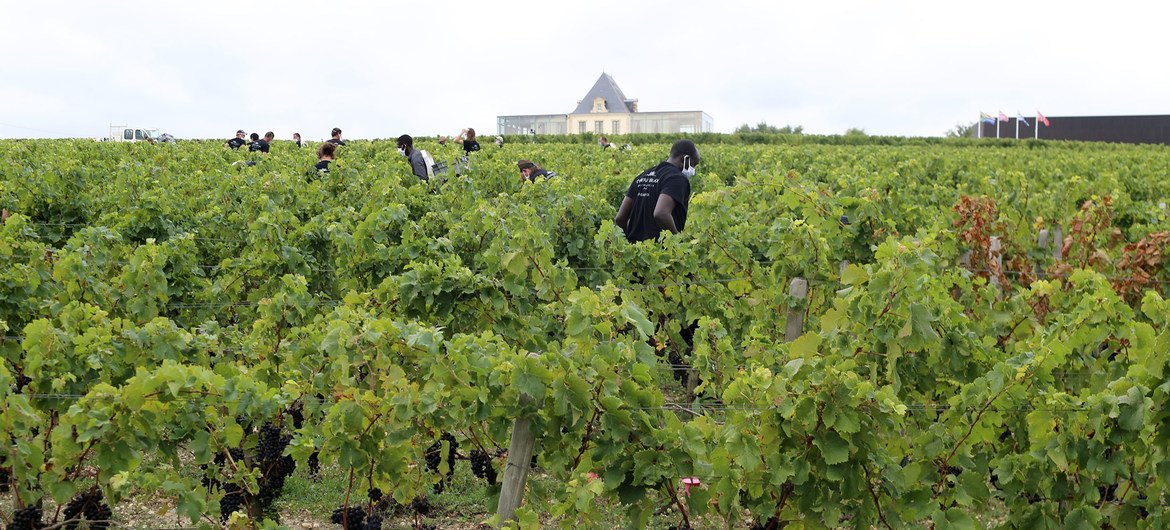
(204, 69)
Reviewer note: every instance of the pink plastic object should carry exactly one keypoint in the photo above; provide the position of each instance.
(688, 482)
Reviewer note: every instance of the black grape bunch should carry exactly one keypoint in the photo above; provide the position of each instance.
(274, 465)
(27, 518)
(421, 506)
(296, 411)
(90, 507)
(481, 466)
(354, 518)
(233, 494)
(269, 459)
(434, 456)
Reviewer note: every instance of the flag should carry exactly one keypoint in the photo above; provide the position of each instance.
(1002, 116)
(986, 118)
(1041, 119)
(1021, 119)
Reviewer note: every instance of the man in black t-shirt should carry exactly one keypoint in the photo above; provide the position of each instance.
(262, 145)
(657, 199)
(336, 137)
(238, 141)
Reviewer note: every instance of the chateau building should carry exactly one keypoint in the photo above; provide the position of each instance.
(606, 110)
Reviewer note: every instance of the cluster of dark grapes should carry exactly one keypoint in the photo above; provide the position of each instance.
(421, 506)
(688, 334)
(269, 445)
(678, 366)
(5, 479)
(297, 412)
(91, 506)
(354, 518)
(681, 526)
(275, 468)
(315, 464)
(232, 501)
(481, 466)
(384, 504)
(434, 456)
(21, 382)
(27, 518)
(233, 497)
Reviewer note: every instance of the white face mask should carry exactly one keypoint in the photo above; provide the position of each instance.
(402, 151)
(687, 171)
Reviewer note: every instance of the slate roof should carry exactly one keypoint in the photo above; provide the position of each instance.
(605, 87)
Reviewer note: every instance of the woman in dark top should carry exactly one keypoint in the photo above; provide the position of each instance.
(467, 140)
(325, 154)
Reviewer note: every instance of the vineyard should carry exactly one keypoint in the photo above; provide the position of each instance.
(869, 336)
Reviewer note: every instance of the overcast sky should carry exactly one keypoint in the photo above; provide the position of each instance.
(201, 69)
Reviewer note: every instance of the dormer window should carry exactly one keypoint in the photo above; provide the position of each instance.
(599, 105)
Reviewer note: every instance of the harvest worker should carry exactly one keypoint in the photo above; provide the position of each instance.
(297, 139)
(336, 137)
(657, 199)
(261, 145)
(418, 165)
(467, 139)
(529, 171)
(325, 153)
(238, 141)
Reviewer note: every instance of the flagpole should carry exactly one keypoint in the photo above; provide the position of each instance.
(1037, 135)
(1017, 125)
(979, 131)
(997, 120)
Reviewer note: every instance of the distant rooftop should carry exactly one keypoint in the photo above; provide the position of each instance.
(607, 89)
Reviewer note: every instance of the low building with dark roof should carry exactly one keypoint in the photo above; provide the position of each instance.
(605, 109)
(1144, 129)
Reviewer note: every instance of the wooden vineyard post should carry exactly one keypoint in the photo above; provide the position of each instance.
(1041, 242)
(519, 462)
(797, 288)
(1058, 244)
